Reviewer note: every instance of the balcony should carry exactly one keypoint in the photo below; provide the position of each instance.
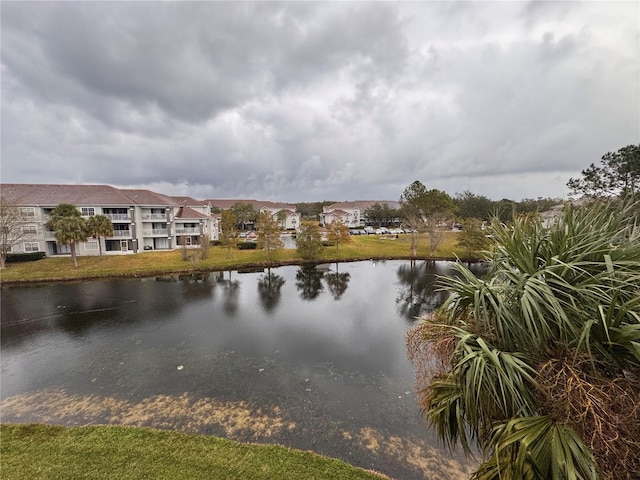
(149, 232)
(153, 217)
(121, 233)
(187, 231)
(118, 216)
(49, 234)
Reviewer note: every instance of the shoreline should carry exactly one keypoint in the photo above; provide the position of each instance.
(224, 268)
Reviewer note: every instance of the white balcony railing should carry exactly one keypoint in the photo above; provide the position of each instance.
(49, 234)
(155, 231)
(189, 230)
(121, 233)
(118, 216)
(150, 217)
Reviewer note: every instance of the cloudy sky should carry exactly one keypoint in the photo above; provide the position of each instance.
(302, 101)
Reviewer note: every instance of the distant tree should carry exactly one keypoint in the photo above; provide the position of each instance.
(618, 175)
(11, 232)
(215, 209)
(338, 233)
(309, 241)
(281, 216)
(69, 227)
(471, 205)
(205, 243)
(536, 205)
(228, 229)
(472, 238)
(439, 212)
(505, 210)
(425, 211)
(99, 226)
(245, 213)
(380, 213)
(412, 210)
(312, 210)
(183, 248)
(268, 234)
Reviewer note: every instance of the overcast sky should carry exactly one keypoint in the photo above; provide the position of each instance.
(302, 101)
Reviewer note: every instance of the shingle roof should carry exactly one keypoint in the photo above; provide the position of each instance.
(47, 194)
(190, 213)
(147, 197)
(361, 204)
(225, 204)
(183, 200)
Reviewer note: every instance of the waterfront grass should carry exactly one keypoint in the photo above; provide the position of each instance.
(31, 452)
(361, 247)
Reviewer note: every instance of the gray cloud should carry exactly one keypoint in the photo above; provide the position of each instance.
(303, 101)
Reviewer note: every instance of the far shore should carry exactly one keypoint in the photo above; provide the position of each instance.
(149, 264)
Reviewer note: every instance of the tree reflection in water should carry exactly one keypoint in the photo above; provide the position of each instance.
(337, 282)
(419, 291)
(269, 289)
(230, 291)
(309, 281)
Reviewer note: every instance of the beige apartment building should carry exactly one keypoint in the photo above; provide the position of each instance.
(142, 219)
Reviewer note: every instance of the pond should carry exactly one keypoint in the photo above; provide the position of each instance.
(309, 357)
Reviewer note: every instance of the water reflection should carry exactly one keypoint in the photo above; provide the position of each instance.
(419, 291)
(309, 281)
(337, 282)
(327, 373)
(270, 290)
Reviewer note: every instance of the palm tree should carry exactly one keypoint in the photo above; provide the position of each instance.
(69, 227)
(537, 363)
(99, 226)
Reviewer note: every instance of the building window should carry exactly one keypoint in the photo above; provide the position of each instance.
(31, 247)
(27, 212)
(91, 245)
(88, 211)
(29, 229)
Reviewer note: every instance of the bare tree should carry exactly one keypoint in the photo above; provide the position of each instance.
(11, 232)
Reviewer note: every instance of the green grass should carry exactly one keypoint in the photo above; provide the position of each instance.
(32, 452)
(165, 262)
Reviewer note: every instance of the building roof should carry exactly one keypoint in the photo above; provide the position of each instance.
(225, 204)
(48, 194)
(190, 213)
(361, 204)
(52, 195)
(147, 197)
(338, 211)
(183, 200)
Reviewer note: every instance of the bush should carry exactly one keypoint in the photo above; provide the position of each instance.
(215, 243)
(24, 257)
(247, 245)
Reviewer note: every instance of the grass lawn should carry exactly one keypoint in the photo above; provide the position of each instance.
(33, 452)
(361, 247)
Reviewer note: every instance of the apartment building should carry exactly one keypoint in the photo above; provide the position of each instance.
(284, 213)
(142, 219)
(353, 214)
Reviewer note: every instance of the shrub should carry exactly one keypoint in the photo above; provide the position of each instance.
(247, 245)
(24, 257)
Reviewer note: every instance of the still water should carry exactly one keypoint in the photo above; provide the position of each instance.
(312, 358)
